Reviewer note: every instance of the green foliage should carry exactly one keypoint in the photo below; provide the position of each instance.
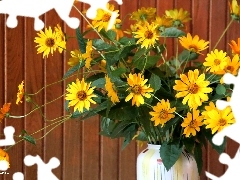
(25, 136)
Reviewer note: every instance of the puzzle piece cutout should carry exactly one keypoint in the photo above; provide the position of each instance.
(35, 8)
(44, 170)
(100, 4)
(232, 131)
(8, 133)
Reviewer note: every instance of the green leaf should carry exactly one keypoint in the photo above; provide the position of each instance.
(144, 118)
(27, 137)
(122, 113)
(81, 41)
(121, 127)
(172, 32)
(74, 69)
(198, 156)
(99, 83)
(110, 34)
(186, 55)
(146, 62)
(127, 41)
(106, 126)
(155, 82)
(101, 45)
(118, 72)
(220, 89)
(139, 54)
(112, 58)
(169, 154)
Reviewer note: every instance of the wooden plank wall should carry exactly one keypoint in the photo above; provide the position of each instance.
(85, 155)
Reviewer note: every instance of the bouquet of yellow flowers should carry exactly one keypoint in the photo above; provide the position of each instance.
(140, 91)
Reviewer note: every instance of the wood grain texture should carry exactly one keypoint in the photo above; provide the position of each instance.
(85, 155)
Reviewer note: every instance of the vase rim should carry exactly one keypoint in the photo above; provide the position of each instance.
(154, 146)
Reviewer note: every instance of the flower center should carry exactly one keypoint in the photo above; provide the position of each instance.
(193, 48)
(222, 122)
(81, 95)
(106, 17)
(148, 34)
(50, 42)
(193, 124)
(217, 62)
(229, 69)
(163, 114)
(137, 89)
(193, 88)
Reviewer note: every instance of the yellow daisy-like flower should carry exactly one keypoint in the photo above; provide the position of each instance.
(20, 92)
(146, 35)
(61, 38)
(235, 46)
(48, 42)
(111, 90)
(163, 22)
(208, 108)
(216, 61)
(192, 123)
(235, 10)
(193, 88)
(162, 112)
(4, 157)
(103, 17)
(76, 57)
(232, 66)
(144, 14)
(216, 119)
(138, 89)
(88, 55)
(80, 95)
(193, 43)
(178, 16)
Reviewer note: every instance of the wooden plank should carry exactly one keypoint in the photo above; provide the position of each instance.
(53, 142)
(127, 161)
(14, 69)
(34, 80)
(109, 158)
(72, 149)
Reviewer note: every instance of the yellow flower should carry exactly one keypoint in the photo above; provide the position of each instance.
(111, 92)
(162, 112)
(4, 157)
(192, 123)
(163, 22)
(178, 16)
(232, 66)
(216, 60)
(138, 89)
(20, 92)
(143, 14)
(235, 46)
(193, 43)
(4, 110)
(48, 42)
(146, 35)
(103, 17)
(235, 10)
(102, 65)
(80, 95)
(193, 88)
(208, 108)
(76, 57)
(88, 55)
(217, 119)
(60, 38)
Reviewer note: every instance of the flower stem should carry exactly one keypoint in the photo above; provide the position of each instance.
(225, 30)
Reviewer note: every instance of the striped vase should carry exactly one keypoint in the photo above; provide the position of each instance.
(150, 166)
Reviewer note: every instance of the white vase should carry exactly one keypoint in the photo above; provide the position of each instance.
(150, 166)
